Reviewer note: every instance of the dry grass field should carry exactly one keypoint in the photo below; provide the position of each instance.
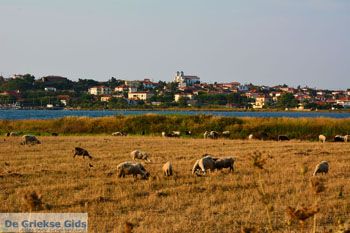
(249, 197)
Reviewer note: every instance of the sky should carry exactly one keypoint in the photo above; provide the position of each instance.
(264, 42)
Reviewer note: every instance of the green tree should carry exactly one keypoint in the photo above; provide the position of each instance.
(118, 103)
(183, 101)
(84, 84)
(287, 100)
(25, 82)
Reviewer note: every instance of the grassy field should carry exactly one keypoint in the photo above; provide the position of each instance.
(249, 197)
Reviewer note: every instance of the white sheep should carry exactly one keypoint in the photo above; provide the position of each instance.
(136, 154)
(205, 163)
(118, 133)
(129, 168)
(168, 169)
(322, 138)
(226, 133)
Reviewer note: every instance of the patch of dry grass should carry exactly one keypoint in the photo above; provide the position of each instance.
(247, 200)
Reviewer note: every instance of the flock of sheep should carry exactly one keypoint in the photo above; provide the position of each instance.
(30, 139)
(226, 134)
(201, 166)
(207, 162)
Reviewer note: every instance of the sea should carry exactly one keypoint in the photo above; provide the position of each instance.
(18, 114)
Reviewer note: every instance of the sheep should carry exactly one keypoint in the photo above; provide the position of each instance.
(54, 134)
(136, 154)
(338, 138)
(14, 134)
(205, 163)
(168, 169)
(282, 138)
(119, 134)
(221, 163)
(134, 169)
(81, 152)
(250, 137)
(173, 134)
(176, 133)
(322, 167)
(211, 134)
(322, 138)
(29, 139)
(226, 134)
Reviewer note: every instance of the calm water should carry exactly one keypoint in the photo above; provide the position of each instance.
(46, 114)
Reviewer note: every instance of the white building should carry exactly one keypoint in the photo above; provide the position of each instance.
(186, 80)
(182, 95)
(261, 101)
(100, 90)
(139, 95)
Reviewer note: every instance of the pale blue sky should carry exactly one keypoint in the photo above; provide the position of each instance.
(270, 42)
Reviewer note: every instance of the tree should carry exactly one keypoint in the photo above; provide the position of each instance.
(287, 100)
(84, 84)
(183, 101)
(113, 82)
(23, 83)
(118, 103)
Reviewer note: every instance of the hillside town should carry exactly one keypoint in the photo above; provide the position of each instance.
(56, 92)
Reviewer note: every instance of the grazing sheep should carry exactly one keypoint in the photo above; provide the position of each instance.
(283, 138)
(8, 134)
(211, 134)
(134, 169)
(136, 154)
(14, 134)
(205, 163)
(81, 152)
(119, 134)
(322, 138)
(226, 134)
(221, 163)
(29, 139)
(176, 133)
(322, 167)
(173, 134)
(168, 169)
(250, 137)
(340, 138)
